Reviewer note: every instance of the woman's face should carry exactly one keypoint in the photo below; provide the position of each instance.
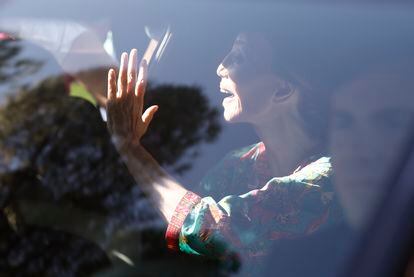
(372, 118)
(247, 81)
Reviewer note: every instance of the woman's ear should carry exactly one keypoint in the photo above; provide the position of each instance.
(282, 92)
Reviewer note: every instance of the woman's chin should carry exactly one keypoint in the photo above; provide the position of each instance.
(359, 219)
(231, 117)
(232, 114)
(359, 206)
(232, 109)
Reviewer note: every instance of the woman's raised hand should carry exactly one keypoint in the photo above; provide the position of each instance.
(126, 121)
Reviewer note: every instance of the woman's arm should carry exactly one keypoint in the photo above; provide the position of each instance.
(128, 123)
(285, 207)
(164, 191)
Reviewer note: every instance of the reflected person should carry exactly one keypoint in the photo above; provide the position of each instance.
(373, 115)
(299, 202)
(371, 130)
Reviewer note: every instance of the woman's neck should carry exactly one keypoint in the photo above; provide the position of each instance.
(286, 141)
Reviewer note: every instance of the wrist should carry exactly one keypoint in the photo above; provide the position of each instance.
(125, 145)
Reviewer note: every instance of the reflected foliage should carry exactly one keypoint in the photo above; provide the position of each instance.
(68, 204)
(59, 171)
(33, 252)
(184, 120)
(12, 64)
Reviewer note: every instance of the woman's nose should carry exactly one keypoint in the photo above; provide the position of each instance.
(222, 71)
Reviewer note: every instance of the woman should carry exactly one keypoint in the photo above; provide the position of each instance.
(370, 140)
(297, 204)
(288, 116)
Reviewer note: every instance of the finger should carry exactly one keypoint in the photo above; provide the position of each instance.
(122, 77)
(141, 85)
(132, 70)
(111, 84)
(142, 76)
(148, 115)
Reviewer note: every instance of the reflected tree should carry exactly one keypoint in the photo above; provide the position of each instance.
(184, 120)
(69, 205)
(13, 65)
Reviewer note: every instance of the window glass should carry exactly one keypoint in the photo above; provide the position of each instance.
(200, 138)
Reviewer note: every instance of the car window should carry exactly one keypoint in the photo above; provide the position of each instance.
(200, 138)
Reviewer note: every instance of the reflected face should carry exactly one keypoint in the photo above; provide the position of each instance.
(372, 117)
(247, 81)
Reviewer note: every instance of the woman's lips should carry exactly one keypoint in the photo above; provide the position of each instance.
(226, 86)
(226, 91)
(228, 96)
(228, 99)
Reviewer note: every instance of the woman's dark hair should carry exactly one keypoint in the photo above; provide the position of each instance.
(318, 53)
(314, 109)
(297, 66)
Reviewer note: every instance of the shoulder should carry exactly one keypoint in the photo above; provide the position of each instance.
(253, 151)
(316, 169)
(316, 173)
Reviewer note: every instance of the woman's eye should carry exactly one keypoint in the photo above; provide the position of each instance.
(342, 120)
(236, 57)
(283, 91)
(394, 119)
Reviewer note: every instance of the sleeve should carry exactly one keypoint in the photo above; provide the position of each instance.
(285, 207)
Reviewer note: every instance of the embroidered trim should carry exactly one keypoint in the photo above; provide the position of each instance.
(180, 214)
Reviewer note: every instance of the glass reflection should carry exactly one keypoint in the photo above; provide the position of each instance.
(69, 206)
(68, 193)
(369, 135)
(15, 64)
(238, 226)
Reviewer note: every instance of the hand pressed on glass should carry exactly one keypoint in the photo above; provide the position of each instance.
(126, 120)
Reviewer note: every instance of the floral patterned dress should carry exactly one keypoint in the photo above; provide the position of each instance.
(242, 225)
